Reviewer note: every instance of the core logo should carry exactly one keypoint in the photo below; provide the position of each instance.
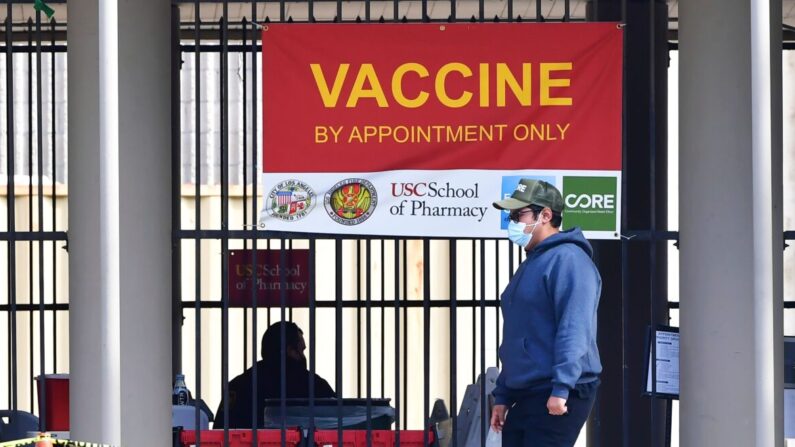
(605, 201)
(590, 203)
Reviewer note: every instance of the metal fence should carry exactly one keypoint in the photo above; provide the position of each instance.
(406, 319)
(437, 299)
(34, 311)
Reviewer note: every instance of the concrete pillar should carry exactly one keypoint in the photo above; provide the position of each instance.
(730, 224)
(120, 221)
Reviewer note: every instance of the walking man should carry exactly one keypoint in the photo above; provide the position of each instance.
(550, 361)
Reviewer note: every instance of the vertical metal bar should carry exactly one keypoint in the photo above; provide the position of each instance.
(426, 336)
(396, 16)
(383, 321)
(54, 203)
(255, 242)
(338, 333)
(474, 313)
(511, 268)
(452, 10)
(510, 10)
(11, 214)
(312, 337)
(30, 206)
(497, 300)
(244, 101)
(282, 10)
(539, 17)
(405, 336)
(397, 340)
(40, 243)
(197, 216)
(369, 342)
(311, 14)
(668, 421)
(425, 17)
(254, 123)
(367, 10)
(359, 318)
(652, 211)
(483, 405)
(283, 357)
(453, 336)
(625, 280)
(481, 10)
(567, 10)
(245, 322)
(225, 212)
(267, 248)
(176, 195)
(339, 19)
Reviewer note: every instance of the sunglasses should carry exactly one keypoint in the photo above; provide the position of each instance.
(515, 215)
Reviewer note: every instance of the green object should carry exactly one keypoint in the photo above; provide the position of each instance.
(41, 6)
(532, 192)
(591, 203)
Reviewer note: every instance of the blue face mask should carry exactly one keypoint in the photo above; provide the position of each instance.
(517, 235)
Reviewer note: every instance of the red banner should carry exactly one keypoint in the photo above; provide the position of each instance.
(272, 277)
(382, 97)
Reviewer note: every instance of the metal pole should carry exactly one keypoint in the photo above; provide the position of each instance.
(197, 262)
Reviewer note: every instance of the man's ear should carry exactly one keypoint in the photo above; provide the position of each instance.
(546, 213)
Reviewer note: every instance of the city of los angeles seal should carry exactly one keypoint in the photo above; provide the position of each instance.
(290, 200)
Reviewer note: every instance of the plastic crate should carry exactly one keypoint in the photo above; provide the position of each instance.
(380, 438)
(242, 438)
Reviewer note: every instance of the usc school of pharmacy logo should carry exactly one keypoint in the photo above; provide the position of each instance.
(290, 200)
(351, 201)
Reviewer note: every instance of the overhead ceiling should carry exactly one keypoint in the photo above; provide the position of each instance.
(212, 10)
(438, 9)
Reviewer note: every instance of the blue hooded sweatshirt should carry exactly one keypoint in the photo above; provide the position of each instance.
(549, 309)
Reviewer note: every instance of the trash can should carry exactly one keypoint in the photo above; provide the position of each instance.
(53, 394)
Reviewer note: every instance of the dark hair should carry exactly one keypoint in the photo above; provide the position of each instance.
(272, 340)
(557, 218)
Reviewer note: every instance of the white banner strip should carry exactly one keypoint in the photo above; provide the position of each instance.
(452, 203)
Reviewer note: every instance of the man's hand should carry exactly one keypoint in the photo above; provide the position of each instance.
(498, 417)
(557, 406)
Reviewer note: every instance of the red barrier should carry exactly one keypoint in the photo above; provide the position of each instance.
(380, 438)
(242, 438)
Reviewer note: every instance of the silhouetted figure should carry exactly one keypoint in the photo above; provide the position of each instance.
(241, 388)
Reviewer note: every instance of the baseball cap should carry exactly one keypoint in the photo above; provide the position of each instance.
(532, 192)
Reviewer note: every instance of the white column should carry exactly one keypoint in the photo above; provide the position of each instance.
(730, 212)
(120, 221)
(93, 222)
(145, 220)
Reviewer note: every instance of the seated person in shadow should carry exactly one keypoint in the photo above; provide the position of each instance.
(241, 389)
